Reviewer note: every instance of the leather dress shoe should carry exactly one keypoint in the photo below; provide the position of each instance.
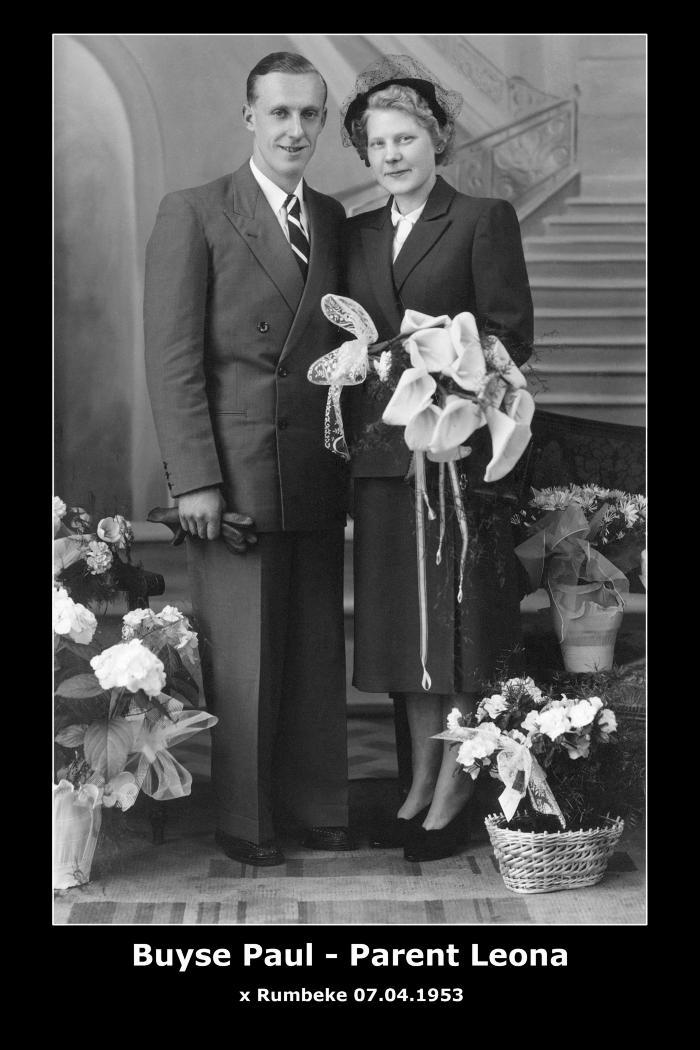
(264, 855)
(329, 838)
(398, 832)
(439, 842)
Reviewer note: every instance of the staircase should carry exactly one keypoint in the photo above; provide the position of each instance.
(587, 274)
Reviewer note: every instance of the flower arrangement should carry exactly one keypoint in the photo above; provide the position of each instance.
(616, 519)
(558, 757)
(118, 709)
(447, 381)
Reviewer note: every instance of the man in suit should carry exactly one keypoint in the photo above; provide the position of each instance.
(235, 272)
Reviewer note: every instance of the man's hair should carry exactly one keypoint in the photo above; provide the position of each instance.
(280, 62)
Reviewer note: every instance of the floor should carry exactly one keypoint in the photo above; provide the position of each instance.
(187, 880)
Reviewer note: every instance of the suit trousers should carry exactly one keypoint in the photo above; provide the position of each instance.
(272, 645)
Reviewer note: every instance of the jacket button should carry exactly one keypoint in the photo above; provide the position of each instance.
(282, 424)
(263, 326)
(283, 372)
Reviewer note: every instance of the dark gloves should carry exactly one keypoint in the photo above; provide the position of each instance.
(236, 529)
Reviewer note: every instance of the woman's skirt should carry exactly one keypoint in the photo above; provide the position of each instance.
(468, 642)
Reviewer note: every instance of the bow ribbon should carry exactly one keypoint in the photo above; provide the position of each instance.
(158, 773)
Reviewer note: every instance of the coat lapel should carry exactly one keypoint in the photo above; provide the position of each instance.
(426, 232)
(377, 239)
(252, 216)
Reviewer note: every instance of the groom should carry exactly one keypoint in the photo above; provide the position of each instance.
(235, 272)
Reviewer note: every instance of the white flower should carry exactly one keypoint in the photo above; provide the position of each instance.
(134, 621)
(71, 619)
(121, 791)
(59, 509)
(130, 665)
(524, 685)
(455, 720)
(66, 551)
(383, 365)
(479, 746)
(116, 530)
(531, 722)
(491, 707)
(553, 722)
(583, 712)
(98, 556)
(607, 722)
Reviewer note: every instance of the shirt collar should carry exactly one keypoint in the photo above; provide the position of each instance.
(412, 216)
(273, 194)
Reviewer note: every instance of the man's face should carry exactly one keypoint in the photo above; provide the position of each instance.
(286, 118)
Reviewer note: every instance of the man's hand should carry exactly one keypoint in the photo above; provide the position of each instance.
(200, 512)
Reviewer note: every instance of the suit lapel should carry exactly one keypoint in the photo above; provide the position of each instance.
(377, 239)
(250, 213)
(426, 232)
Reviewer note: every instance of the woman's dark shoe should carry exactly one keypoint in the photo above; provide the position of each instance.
(397, 833)
(441, 842)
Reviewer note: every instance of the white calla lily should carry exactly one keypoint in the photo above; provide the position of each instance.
(419, 432)
(510, 433)
(469, 367)
(450, 455)
(458, 421)
(415, 321)
(431, 349)
(413, 393)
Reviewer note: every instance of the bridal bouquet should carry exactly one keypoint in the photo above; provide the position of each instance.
(530, 740)
(447, 382)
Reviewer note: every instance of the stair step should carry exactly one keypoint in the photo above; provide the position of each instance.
(561, 366)
(601, 206)
(570, 264)
(602, 359)
(630, 413)
(585, 243)
(558, 323)
(622, 341)
(579, 291)
(583, 386)
(600, 225)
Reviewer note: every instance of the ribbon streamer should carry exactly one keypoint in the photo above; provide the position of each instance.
(159, 774)
(462, 521)
(421, 497)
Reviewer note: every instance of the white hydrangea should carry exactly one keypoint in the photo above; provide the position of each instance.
(130, 665)
(134, 621)
(59, 509)
(526, 685)
(454, 720)
(98, 557)
(531, 722)
(71, 619)
(479, 746)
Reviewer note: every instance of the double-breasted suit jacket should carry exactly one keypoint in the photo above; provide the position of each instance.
(463, 254)
(231, 329)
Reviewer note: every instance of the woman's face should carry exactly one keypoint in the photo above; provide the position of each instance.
(401, 155)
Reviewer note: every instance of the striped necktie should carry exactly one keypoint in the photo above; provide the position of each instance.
(297, 237)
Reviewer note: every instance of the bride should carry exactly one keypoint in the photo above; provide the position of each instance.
(437, 251)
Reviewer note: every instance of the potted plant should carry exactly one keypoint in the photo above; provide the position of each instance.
(118, 708)
(564, 773)
(580, 541)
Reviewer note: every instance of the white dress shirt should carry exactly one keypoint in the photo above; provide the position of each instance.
(403, 224)
(276, 197)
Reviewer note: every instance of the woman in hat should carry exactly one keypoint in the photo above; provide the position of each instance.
(437, 251)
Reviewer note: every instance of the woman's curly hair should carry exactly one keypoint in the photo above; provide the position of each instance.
(405, 98)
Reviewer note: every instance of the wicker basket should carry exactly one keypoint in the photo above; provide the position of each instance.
(532, 862)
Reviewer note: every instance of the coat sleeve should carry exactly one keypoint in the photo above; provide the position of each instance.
(504, 302)
(175, 296)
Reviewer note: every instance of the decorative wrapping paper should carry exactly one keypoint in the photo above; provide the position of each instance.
(76, 826)
(157, 772)
(519, 771)
(560, 551)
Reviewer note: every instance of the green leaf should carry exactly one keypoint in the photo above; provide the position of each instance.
(71, 736)
(185, 686)
(86, 652)
(80, 687)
